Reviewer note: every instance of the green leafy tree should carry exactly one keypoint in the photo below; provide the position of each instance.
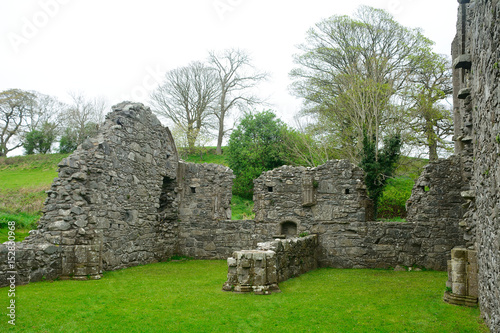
(379, 167)
(430, 117)
(351, 71)
(71, 137)
(68, 142)
(306, 146)
(256, 145)
(40, 141)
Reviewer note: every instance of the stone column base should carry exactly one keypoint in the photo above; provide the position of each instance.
(451, 298)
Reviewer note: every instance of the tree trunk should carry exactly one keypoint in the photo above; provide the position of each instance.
(220, 136)
(431, 141)
(433, 155)
(191, 138)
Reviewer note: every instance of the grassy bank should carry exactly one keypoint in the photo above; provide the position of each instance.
(187, 297)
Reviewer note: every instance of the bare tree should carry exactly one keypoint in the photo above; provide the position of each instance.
(236, 77)
(16, 106)
(47, 110)
(82, 118)
(186, 97)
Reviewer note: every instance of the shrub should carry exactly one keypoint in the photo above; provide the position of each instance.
(393, 201)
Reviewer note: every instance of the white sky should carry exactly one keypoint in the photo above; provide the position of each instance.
(120, 49)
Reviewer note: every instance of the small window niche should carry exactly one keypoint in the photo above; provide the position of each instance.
(270, 189)
(289, 229)
(347, 191)
(193, 189)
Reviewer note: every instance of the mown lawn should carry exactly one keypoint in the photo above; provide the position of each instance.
(186, 296)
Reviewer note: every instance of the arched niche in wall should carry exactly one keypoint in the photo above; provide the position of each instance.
(288, 228)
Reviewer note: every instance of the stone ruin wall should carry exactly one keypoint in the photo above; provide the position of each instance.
(476, 54)
(259, 271)
(205, 200)
(331, 201)
(124, 199)
(117, 201)
(102, 211)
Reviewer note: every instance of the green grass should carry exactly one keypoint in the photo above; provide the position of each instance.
(23, 182)
(186, 296)
(206, 155)
(40, 161)
(241, 208)
(23, 224)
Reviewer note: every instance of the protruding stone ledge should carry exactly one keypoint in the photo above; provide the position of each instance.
(463, 93)
(463, 61)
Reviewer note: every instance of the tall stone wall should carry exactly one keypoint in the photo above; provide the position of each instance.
(103, 208)
(205, 199)
(478, 103)
(331, 202)
(124, 199)
(290, 200)
(437, 193)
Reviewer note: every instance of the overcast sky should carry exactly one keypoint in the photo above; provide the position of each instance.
(121, 49)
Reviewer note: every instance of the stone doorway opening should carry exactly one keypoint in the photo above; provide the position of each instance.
(166, 211)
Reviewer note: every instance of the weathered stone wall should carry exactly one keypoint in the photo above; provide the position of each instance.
(205, 199)
(103, 208)
(235, 235)
(436, 195)
(291, 200)
(331, 202)
(124, 199)
(261, 270)
(29, 262)
(478, 39)
(386, 244)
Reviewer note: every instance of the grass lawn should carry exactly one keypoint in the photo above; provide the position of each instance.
(186, 296)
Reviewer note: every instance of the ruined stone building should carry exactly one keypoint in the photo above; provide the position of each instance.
(124, 198)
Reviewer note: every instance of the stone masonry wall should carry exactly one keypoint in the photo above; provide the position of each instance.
(436, 195)
(385, 244)
(482, 38)
(30, 262)
(290, 200)
(124, 199)
(330, 201)
(261, 270)
(205, 199)
(103, 208)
